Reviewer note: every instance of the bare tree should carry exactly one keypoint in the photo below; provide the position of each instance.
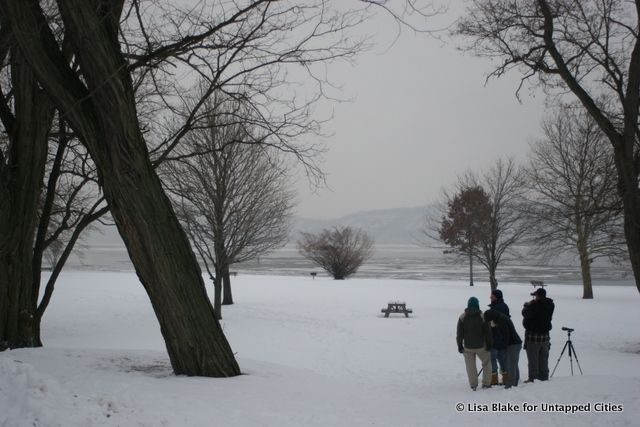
(26, 114)
(232, 195)
(104, 84)
(504, 187)
(574, 204)
(505, 184)
(467, 223)
(92, 59)
(589, 47)
(70, 204)
(340, 251)
(35, 166)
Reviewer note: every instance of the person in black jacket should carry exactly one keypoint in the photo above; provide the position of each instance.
(536, 319)
(505, 327)
(499, 349)
(473, 337)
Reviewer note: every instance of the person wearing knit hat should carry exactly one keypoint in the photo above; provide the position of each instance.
(473, 336)
(499, 349)
(497, 302)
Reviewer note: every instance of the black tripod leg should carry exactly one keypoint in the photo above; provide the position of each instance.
(560, 357)
(573, 349)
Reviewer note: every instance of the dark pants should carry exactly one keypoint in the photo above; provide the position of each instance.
(499, 357)
(538, 355)
(513, 357)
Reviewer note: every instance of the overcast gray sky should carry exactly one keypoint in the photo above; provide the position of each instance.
(421, 115)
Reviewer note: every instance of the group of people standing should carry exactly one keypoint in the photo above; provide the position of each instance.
(492, 337)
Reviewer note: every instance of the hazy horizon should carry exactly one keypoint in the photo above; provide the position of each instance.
(421, 115)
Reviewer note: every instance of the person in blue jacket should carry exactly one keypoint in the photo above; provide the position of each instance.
(499, 349)
(506, 328)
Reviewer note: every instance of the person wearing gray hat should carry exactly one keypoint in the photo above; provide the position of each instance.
(536, 319)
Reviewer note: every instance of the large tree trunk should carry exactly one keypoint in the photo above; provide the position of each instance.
(104, 114)
(21, 182)
(585, 268)
(583, 253)
(169, 272)
(630, 193)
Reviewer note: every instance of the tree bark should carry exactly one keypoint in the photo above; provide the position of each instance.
(21, 182)
(582, 233)
(585, 268)
(630, 193)
(492, 279)
(104, 114)
(217, 292)
(227, 298)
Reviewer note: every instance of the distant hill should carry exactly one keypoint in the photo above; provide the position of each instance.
(386, 226)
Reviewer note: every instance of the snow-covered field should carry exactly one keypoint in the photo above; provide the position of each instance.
(315, 353)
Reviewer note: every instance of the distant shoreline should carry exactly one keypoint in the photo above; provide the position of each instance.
(393, 261)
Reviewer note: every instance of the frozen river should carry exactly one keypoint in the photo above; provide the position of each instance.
(389, 261)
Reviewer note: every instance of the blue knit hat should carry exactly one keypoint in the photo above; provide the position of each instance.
(473, 303)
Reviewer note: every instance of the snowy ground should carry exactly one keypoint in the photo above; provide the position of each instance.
(315, 353)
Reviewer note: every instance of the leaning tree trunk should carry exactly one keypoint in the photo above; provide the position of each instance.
(104, 114)
(21, 182)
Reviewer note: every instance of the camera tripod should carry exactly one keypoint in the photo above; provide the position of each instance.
(572, 352)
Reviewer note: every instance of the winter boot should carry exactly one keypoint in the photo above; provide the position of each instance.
(494, 378)
(505, 378)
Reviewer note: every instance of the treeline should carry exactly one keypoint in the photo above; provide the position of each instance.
(564, 198)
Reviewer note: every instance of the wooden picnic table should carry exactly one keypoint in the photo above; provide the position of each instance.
(396, 307)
